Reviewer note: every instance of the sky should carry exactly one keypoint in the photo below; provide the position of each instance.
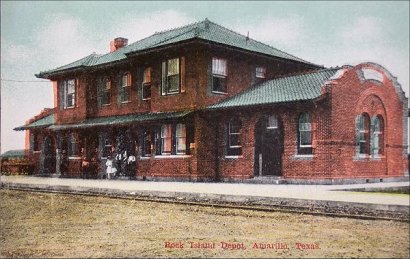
(37, 36)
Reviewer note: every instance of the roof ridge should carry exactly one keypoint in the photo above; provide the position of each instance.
(177, 28)
(301, 73)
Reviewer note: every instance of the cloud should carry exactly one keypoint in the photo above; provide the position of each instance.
(62, 39)
(365, 28)
(279, 31)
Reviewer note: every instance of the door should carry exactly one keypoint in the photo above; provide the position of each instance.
(268, 146)
(49, 157)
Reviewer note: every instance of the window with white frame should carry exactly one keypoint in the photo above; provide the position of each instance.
(166, 139)
(67, 87)
(74, 147)
(362, 134)
(219, 75)
(377, 142)
(260, 72)
(125, 87)
(180, 135)
(146, 84)
(170, 77)
(106, 91)
(234, 147)
(304, 134)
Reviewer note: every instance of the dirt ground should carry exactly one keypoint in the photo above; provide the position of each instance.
(56, 225)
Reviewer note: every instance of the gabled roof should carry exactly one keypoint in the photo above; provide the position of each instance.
(292, 88)
(41, 123)
(205, 30)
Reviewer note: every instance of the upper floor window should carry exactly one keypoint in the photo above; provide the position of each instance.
(234, 147)
(106, 91)
(125, 87)
(304, 134)
(219, 75)
(170, 76)
(377, 142)
(362, 134)
(67, 88)
(34, 142)
(146, 84)
(260, 72)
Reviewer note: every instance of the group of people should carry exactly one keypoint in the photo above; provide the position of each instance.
(121, 165)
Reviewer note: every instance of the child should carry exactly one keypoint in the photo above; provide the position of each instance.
(110, 170)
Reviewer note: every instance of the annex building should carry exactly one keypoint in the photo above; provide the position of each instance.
(204, 103)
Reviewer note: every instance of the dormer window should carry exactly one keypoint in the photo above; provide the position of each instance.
(260, 72)
(146, 84)
(219, 75)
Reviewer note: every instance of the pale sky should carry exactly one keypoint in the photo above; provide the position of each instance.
(37, 36)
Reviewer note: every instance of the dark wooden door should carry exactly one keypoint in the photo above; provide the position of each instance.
(268, 148)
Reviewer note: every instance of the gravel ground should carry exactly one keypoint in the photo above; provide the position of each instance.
(57, 225)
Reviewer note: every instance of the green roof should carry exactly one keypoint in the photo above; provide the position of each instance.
(16, 153)
(41, 123)
(292, 88)
(205, 30)
(119, 120)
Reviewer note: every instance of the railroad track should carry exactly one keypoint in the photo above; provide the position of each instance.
(327, 211)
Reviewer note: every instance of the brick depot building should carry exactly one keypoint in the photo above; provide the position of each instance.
(204, 103)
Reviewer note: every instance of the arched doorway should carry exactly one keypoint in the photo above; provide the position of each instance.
(49, 156)
(268, 146)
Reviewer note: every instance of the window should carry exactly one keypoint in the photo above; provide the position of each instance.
(304, 134)
(260, 72)
(170, 77)
(219, 75)
(234, 138)
(146, 143)
(362, 134)
(106, 91)
(34, 142)
(107, 151)
(74, 145)
(272, 122)
(125, 87)
(377, 136)
(67, 88)
(146, 84)
(171, 139)
(166, 139)
(180, 139)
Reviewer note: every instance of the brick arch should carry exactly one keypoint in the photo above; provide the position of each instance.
(372, 105)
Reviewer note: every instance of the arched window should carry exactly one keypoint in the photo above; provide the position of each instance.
(377, 135)
(362, 134)
(234, 146)
(304, 134)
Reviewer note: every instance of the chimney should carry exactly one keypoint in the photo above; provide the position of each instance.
(118, 43)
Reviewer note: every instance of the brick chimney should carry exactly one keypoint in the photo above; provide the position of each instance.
(118, 43)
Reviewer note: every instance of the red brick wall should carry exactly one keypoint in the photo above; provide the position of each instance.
(350, 97)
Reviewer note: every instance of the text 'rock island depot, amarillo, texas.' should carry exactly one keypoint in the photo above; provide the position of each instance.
(204, 103)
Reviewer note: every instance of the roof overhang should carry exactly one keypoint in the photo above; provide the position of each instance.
(121, 120)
